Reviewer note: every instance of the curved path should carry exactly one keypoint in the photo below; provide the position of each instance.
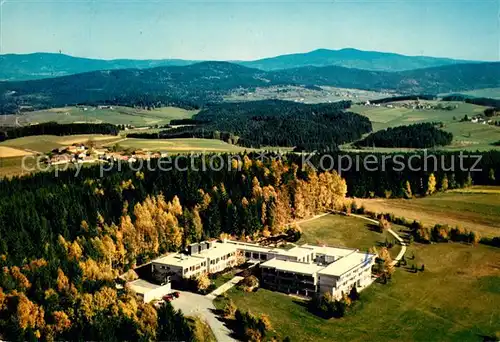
(392, 232)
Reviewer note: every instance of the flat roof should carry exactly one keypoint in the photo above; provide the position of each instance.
(292, 266)
(297, 251)
(332, 251)
(142, 286)
(346, 263)
(255, 248)
(218, 250)
(179, 259)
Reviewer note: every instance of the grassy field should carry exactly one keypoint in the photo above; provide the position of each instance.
(470, 136)
(466, 135)
(117, 115)
(180, 145)
(492, 93)
(46, 143)
(12, 166)
(8, 152)
(477, 209)
(337, 230)
(383, 117)
(455, 299)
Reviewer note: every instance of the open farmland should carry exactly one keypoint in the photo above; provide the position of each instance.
(7, 152)
(180, 145)
(383, 117)
(455, 299)
(466, 135)
(117, 115)
(46, 143)
(186, 145)
(476, 209)
(492, 93)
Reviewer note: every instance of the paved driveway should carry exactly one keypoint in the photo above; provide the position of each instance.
(192, 304)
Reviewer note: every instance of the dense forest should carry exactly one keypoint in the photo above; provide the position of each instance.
(404, 98)
(65, 239)
(199, 84)
(277, 123)
(480, 101)
(53, 128)
(422, 135)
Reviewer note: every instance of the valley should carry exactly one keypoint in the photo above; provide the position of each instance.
(276, 240)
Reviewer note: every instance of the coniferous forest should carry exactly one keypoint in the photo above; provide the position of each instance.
(422, 135)
(65, 239)
(276, 123)
(53, 128)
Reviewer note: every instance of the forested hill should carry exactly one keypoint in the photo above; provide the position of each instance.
(350, 58)
(186, 86)
(17, 67)
(422, 135)
(278, 123)
(206, 82)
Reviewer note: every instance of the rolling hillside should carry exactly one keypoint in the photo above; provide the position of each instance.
(351, 58)
(198, 84)
(18, 67)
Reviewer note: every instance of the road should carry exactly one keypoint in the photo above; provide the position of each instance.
(192, 304)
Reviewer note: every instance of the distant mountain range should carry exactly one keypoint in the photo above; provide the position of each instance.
(14, 67)
(46, 65)
(351, 58)
(201, 83)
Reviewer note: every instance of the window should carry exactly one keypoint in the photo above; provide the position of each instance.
(247, 254)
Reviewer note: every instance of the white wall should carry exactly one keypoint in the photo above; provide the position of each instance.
(157, 293)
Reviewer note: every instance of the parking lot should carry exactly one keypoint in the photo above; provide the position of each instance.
(192, 304)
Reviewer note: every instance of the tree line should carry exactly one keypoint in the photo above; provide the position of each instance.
(53, 128)
(421, 135)
(404, 98)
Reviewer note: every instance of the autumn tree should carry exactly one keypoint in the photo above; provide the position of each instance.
(431, 185)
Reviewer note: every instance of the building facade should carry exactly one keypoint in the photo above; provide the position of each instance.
(303, 270)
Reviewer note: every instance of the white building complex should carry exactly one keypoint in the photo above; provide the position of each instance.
(203, 257)
(309, 269)
(303, 270)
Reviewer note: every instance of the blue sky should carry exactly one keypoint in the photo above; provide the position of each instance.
(232, 29)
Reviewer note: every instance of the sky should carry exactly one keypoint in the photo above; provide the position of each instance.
(247, 30)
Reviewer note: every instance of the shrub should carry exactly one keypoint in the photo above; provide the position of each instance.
(229, 309)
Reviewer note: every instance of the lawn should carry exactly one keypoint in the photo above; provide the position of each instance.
(455, 299)
(477, 209)
(118, 115)
(224, 278)
(338, 230)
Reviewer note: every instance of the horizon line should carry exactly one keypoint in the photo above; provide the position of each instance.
(240, 60)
